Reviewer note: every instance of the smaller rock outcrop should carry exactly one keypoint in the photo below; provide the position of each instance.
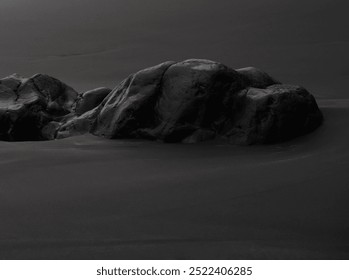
(27, 105)
(90, 99)
(273, 114)
(76, 125)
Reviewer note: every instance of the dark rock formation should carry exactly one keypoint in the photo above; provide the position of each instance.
(256, 78)
(197, 100)
(27, 105)
(189, 101)
(77, 124)
(90, 99)
(12, 82)
(276, 113)
(130, 107)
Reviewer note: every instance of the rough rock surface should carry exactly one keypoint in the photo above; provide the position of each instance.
(190, 101)
(91, 99)
(256, 78)
(197, 100)
(75, 125)
(276, 113)
(27, 105)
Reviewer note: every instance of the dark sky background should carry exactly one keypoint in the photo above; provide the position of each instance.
(91, 43)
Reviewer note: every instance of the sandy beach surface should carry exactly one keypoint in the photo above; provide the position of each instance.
(89, 198)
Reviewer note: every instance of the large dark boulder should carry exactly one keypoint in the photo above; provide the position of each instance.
(194, 95)
(197, 100)
(27, 105)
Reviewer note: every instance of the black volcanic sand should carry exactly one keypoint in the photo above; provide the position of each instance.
(91, 198)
